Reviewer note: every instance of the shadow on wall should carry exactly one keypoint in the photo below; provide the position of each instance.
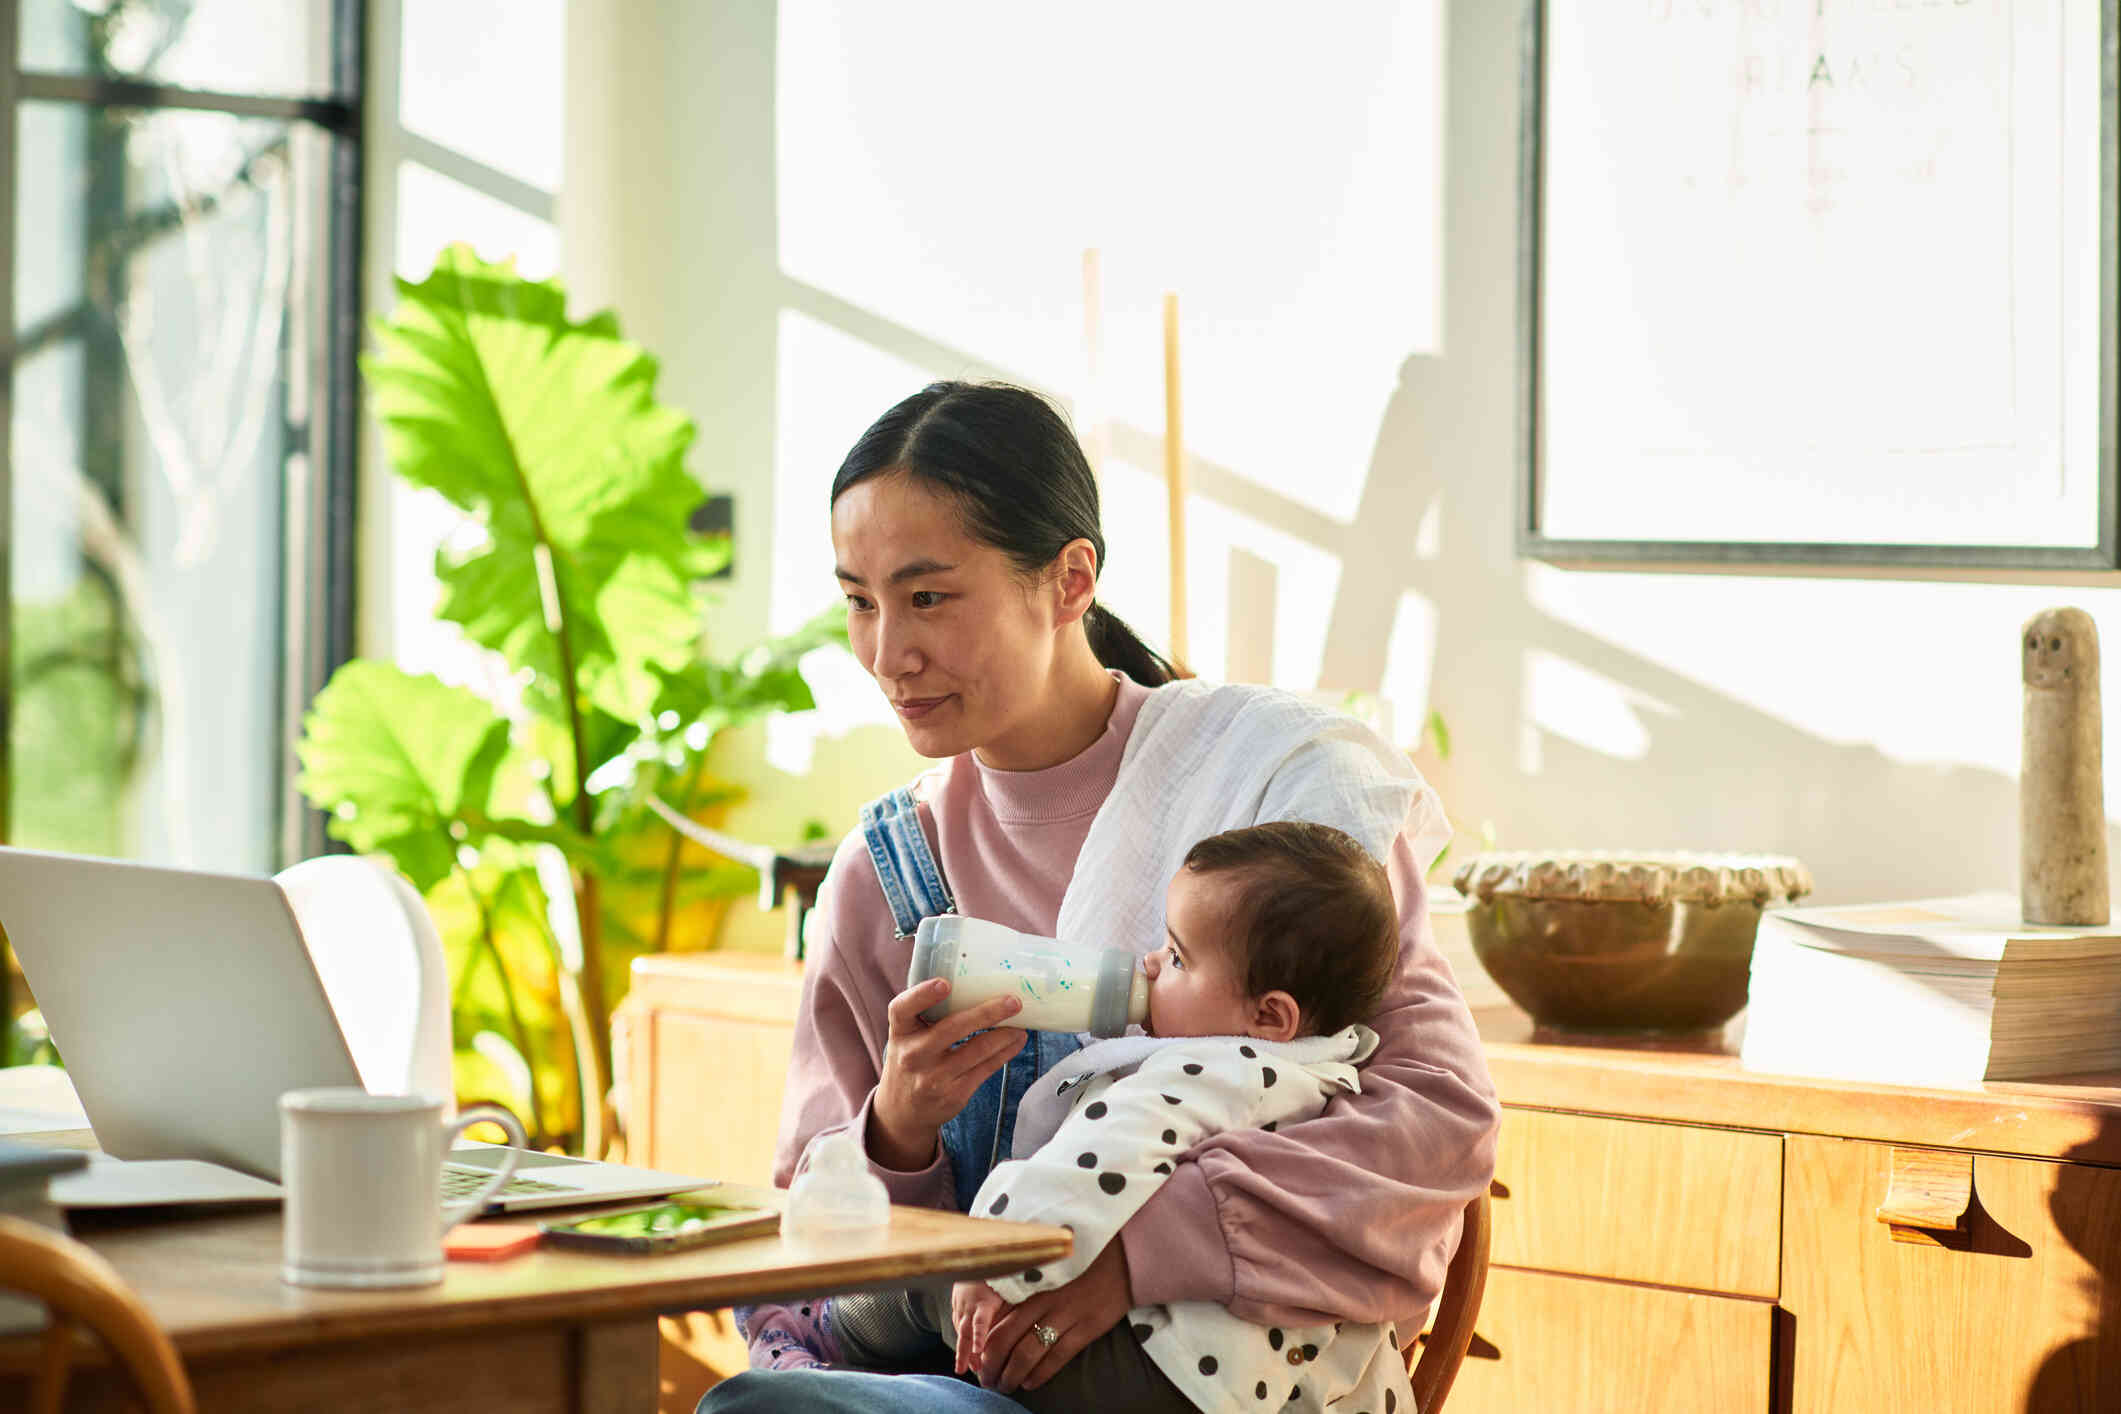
(1715, 773)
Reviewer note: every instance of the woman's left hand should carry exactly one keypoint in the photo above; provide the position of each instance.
(1081, 1311)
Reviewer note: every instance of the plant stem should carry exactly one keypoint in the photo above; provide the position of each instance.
(668, 904)
(589, 1081)
(588, 913)
(515, 1013)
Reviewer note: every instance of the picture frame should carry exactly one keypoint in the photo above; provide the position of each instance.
(1818, 282)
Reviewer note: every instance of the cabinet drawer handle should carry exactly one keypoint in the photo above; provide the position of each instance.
(1930, 1193)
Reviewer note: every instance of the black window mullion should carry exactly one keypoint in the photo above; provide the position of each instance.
(340, 115)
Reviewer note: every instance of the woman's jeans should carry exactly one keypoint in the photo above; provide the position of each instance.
(851, 1392)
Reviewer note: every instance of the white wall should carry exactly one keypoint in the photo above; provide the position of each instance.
(810, 209)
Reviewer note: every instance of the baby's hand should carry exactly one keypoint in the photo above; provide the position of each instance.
(974, 1308)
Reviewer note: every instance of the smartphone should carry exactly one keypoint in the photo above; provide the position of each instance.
(666, 1227)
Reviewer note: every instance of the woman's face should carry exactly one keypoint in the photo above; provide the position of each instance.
(962, 647)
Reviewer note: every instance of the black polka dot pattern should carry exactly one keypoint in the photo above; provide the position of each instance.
(1310, 1352)
(1208, 1365)
(1034, 1276)
(1086, 1161)
(1163, 1168)
(1096, 1109)
(1248, 1053)
(1001, 1201)
(1142, 1332)
(1259, 1391)
(1269, 1126)
(1192, 1067)
(1391, 1402)
(1274, 1337)
(1170, 1099)
(1266, 1075)
(1170, 1136)
(1112, 1183)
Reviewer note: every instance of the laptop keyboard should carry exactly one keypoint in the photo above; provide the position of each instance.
(463, 1182)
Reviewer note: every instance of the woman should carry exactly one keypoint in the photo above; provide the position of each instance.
(965, 526)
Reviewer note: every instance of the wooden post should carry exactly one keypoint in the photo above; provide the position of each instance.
(1175, 478)
(1096, 427)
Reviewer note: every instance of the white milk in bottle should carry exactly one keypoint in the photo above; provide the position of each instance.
(1098, 990)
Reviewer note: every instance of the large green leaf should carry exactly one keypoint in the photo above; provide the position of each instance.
(548, 431)
(398, 761)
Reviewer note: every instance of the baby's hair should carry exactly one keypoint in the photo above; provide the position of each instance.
(1315, 917)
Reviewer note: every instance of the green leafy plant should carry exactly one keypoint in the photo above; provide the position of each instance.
(526, 822)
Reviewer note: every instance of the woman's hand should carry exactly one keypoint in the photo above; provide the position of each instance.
(1012, 1356)
(974, 1307)
(925, 1082)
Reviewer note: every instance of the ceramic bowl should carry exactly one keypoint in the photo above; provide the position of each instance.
(1653, 944)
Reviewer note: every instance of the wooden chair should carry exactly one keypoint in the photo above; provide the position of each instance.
(1432, 1362)
(80, 1289)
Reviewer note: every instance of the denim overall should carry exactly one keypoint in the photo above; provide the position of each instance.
(978, 1137)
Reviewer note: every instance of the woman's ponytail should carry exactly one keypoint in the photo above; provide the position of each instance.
(1118, 646)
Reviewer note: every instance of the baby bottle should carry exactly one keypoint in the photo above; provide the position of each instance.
(1098, 990)
(835, 1192)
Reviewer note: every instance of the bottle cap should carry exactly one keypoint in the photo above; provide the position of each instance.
(1111, 1006)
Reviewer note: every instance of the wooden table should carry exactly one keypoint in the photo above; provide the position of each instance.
(552, 1330)
(1675, 1232)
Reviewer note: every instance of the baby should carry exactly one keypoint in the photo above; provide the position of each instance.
(1279, 938)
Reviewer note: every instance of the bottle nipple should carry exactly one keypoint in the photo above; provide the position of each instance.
(836, 1192)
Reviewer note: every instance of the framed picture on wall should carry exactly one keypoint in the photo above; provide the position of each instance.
(1819, 282)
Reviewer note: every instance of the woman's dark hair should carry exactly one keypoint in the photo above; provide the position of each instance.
(1010, 462)
(1315, 917)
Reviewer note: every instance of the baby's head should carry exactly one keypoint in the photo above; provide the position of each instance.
(1273, 931)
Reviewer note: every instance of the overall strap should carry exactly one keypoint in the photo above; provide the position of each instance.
(905, 866)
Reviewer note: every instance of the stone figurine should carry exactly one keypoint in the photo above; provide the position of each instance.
(2061, 792)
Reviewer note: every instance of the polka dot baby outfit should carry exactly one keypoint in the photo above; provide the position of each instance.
(1132, 1107)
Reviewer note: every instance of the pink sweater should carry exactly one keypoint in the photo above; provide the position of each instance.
(1350, 1216)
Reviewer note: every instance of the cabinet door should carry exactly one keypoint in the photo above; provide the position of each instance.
(1576, 1345)
(715, 1101)
(2019, 1315)
(1667, 1204)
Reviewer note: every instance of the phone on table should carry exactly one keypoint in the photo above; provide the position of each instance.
(665, 1227)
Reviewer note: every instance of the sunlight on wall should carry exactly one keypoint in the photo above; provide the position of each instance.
(483, 78)
(946, 179)
(1588, 708)
(434, 210)
(1834, 658)
(1410, 663)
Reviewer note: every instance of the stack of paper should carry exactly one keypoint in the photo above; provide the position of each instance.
(1939, 992)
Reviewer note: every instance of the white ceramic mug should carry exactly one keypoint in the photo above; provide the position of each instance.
(361, 1183)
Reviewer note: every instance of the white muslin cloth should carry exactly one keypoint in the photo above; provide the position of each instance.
(1206, 757)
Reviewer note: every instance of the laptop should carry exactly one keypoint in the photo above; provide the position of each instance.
(185, 1004)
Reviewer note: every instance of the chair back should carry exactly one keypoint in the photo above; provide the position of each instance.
(1432, 1364)
(377, 953)
(80, 1290)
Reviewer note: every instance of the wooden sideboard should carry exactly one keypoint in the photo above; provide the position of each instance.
(1672, 1232)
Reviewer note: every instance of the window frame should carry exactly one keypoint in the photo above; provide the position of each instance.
(318, 526)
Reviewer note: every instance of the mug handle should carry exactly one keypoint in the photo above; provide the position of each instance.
(454, 1213)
